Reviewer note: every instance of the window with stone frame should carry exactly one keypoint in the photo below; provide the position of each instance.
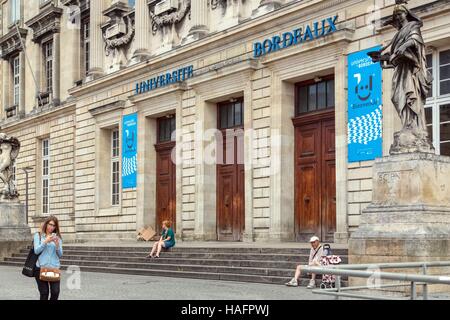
(315, 95)
(166, 128)
(115, 168)
(85, 45)
(45, 176)
(15, 66)
(47, 50)
(437, 108)
(14, 11)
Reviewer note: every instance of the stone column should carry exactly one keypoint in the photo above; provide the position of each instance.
(56, 69)
(199, 19)
(142, 28)
(97, 53)
(341, 234)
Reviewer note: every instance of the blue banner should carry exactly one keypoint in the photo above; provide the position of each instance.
(129, 151)
(365, 126)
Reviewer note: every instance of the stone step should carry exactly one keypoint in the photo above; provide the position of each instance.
(187, 255)
(184, 274)
(177, 260)
(203, 249)
(174, 267)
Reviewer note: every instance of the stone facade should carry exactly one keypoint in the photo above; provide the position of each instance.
(218, 43)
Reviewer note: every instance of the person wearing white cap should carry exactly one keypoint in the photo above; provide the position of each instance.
(314, 260)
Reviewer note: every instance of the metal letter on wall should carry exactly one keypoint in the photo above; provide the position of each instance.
(129, 151)
(365, 125)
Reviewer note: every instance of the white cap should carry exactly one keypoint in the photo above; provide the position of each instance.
(315, 238)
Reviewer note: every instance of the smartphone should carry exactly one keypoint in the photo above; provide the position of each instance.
(53, 235)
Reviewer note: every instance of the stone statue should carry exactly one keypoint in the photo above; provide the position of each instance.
(9, 149)
(411, 81)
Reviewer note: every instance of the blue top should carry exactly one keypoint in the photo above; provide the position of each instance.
(166, 234)
(48, 255)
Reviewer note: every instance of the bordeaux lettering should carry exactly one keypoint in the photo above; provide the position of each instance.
(299, 35)
(288, 42)
(276, 43)
(332, 23)
(258, 49)
(267, 46)
(308, 33)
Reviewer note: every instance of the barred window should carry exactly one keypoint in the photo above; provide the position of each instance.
(314, 95)
(166, 126)
(45, 175)
(115, 167)
(231, 114)
(437, 108)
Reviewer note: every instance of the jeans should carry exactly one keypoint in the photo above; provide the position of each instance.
(43, 287)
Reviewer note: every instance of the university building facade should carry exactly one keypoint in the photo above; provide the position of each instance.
(235, 113)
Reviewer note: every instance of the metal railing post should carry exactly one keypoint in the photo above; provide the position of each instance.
(413, 291)
(425, 285)
(338, 286)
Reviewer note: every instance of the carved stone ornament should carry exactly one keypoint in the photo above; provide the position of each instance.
(46, 22)
(9, 150)
(216, 3)
(11, 43)
(114, 42)
(171, 18)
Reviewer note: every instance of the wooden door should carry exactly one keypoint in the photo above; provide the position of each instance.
(165, 174)
(230, 177)
(315, 177)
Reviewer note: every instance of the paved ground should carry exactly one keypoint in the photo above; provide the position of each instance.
(13, 285)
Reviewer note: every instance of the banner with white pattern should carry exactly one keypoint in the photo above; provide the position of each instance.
(129, 151)
(365, 110)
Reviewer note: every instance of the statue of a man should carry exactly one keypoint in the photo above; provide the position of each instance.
(9, 149)
(411, 81)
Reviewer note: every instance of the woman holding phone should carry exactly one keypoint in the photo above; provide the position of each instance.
(48, 245)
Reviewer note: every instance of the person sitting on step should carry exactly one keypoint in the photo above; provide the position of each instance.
(314, 260)
(166, 241)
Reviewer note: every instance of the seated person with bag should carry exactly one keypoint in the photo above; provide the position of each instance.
(315, 255)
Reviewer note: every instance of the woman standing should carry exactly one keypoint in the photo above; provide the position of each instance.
(48, 245)
(167, 240)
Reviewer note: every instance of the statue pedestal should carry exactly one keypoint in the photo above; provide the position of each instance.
(14, 231)
(409, 217)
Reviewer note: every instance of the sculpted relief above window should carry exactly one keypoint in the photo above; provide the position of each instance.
(165, 13)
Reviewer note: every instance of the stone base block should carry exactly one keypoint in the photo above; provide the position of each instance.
(409, 217)
(13, 226)
(7, 248)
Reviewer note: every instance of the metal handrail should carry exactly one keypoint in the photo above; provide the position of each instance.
(355, 271)
(395, 265)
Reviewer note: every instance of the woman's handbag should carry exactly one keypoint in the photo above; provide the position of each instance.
(50, 274)
(30, 263)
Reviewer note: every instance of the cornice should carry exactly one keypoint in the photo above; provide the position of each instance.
(47, 21)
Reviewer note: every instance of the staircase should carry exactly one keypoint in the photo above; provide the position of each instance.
(261, 265)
